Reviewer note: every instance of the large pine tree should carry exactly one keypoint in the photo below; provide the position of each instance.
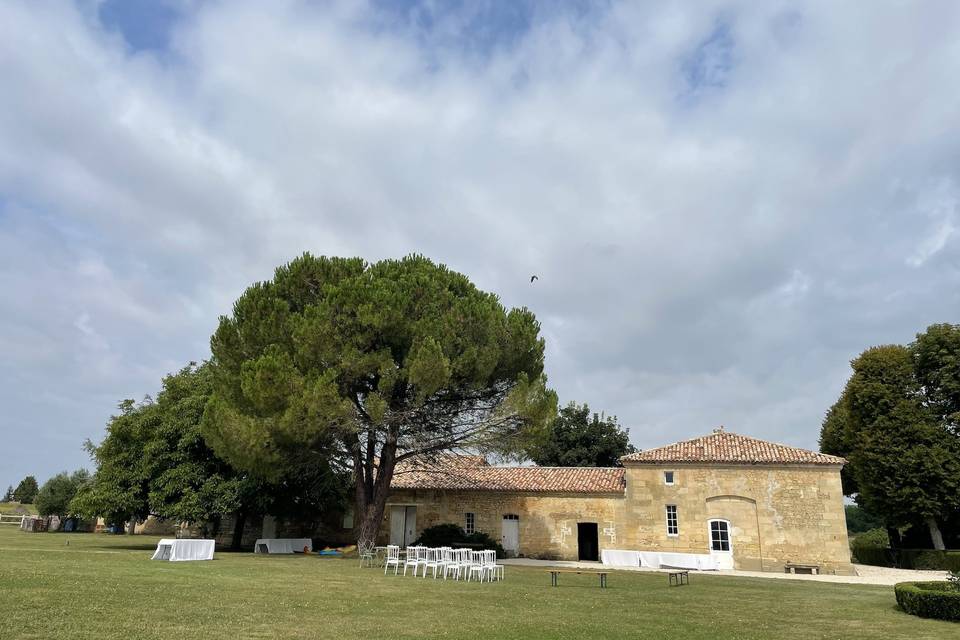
(368, 365)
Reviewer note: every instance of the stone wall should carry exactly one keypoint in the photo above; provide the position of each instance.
(547, 522)
(776, 514)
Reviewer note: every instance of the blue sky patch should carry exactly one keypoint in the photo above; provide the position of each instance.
(711, 63)
(145, 24)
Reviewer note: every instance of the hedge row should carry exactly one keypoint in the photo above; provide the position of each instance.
(909, 558)
(939, 600)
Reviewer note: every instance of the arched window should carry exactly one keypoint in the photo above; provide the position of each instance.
(719, 536)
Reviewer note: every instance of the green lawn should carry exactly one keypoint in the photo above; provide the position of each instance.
(106, 587)
(15, 508)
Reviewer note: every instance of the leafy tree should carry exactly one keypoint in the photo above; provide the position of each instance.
(119, 488)
(860, 520)
(154, 461)
(365, 365)
(8, 496)
(903, 458)
(936, 357)
(55, 495)
(26, 491)
(835, 439)
(579, 439)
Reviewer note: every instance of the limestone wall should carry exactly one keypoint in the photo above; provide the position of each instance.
(547, 522)
(776, 514)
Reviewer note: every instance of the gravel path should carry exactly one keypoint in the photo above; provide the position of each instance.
(865, 574)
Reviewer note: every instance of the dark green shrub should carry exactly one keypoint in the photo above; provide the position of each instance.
(451, 535)
(859, 520)
(870, 547)
(940, 600)
(928, 559)
(480, 540)
(441, 535)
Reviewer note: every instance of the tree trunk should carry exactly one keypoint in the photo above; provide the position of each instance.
(372, 500)
(935, 534)
(894, 534)
(132, 526)
(211, 528)
(238, 524)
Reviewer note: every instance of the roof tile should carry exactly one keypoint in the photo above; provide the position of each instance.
(730, 448)
(466, 474)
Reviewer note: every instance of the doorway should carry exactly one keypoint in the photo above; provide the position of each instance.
(510, 534)
(403, 525)
(588, 542)
(720, 547)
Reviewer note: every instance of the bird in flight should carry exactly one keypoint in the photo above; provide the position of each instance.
(532, 278)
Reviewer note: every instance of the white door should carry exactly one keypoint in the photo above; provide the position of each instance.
(510, 534)
(397, 525)
(410, 531)
(721, 548)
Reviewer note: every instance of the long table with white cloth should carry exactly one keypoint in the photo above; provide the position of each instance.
(183, 550)
(658, 559)
(282, 545)
(620, 558)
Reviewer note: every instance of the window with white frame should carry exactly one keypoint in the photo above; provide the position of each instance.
(719, 535)
(469, 523)
(673, 526)
(668, 477)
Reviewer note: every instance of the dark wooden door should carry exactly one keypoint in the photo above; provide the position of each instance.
(587, 541)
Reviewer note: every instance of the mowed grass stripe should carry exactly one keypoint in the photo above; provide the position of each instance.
(106, 587)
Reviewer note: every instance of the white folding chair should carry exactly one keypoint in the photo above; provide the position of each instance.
(368, 555)
(413, 560)
(434, 561)
(393, 558)
(476, 566)
(449, 559)
(456, 562)
(494, 570)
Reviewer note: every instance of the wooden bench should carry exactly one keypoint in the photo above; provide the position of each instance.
(555, 575)
(791, 567)
(678, 578)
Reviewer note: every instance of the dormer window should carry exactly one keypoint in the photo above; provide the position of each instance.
(668, 477)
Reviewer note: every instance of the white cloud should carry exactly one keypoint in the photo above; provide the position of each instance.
(724, 202)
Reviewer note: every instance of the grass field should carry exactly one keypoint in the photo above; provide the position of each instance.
(15, 508)
(106, 587)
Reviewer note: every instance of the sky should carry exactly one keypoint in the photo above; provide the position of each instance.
(725, 202)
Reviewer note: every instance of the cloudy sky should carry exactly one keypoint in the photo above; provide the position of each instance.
(725, 201)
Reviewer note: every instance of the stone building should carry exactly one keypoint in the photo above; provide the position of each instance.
(749, 503)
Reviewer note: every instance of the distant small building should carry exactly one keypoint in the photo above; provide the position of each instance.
(749, 503)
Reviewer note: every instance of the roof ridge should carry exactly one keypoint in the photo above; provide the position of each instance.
(728, 446)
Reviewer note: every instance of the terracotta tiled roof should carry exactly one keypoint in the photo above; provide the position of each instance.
(730, 448)
(455, 473)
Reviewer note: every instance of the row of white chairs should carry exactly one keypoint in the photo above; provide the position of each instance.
(459, 563)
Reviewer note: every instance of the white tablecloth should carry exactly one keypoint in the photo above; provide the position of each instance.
(698, 561)
(620, 558)
(283, 545)
(181, 550)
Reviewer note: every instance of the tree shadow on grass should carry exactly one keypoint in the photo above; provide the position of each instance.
(127, 547)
